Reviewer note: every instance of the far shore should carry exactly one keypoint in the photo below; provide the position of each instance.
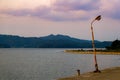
(106, 74)
(105, 52)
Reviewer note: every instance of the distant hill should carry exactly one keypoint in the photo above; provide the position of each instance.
(50, 41)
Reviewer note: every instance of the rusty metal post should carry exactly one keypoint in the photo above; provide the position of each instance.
(78, 72)
(93, 44)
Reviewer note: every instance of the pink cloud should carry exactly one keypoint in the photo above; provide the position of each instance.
(111, 8)
(66, 5)
(69, 10)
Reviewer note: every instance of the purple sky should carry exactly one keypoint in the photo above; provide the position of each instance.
(68, 17)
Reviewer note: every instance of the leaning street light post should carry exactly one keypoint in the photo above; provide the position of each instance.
(93, 44)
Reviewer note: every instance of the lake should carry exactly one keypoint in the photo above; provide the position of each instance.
(48, 64)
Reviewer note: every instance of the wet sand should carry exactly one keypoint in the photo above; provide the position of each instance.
(107, 74)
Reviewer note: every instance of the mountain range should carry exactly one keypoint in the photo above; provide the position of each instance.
(50, 41)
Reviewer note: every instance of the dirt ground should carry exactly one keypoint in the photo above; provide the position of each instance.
(107, 74)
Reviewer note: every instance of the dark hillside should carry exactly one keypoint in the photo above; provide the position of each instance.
(50, 41)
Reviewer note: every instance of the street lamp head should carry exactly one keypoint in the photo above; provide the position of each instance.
(98, 18)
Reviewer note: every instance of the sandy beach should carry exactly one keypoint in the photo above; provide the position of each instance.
(106, 74)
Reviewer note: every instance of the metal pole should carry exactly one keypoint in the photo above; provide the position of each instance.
(94, 50)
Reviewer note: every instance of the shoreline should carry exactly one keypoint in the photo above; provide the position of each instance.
(106, 74)
(91, 52)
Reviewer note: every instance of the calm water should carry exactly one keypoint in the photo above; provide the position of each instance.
(48, 64)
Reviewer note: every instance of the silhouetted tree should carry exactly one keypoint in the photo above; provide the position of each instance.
(115, 45)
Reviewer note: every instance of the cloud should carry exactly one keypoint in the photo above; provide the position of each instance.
(70, 10)
(68, 5)
(38, 12)
(22, 12)
(111, 8)
(47, 13)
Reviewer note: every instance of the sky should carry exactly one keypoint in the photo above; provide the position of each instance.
(37, 18)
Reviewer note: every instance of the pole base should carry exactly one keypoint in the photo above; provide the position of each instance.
(97, 71)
